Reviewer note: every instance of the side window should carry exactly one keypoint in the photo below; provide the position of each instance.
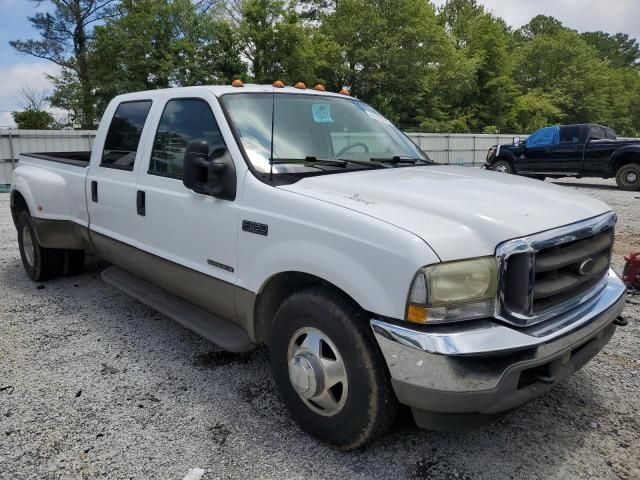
(570, 134)
(182, 121)
(124, 133)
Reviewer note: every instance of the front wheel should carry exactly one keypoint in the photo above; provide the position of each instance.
(329, 371)
(503, 166)
(628, 177)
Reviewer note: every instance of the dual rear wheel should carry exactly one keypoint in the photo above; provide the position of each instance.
(628, 177)
(44, 263)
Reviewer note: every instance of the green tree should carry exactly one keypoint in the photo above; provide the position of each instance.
(539, 25)
(536, 109)
(154, 44)
(275, 41)
(33, 120)
(64, 39)
(67, 94)
(389, 53)
(619, 50)
(564, 65)
(484, 41)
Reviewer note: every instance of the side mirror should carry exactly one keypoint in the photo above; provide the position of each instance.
(204, 176)
(516, 141)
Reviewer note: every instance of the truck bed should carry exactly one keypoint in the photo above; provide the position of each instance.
(78, 159)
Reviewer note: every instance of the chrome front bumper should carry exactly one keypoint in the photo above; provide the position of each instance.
(486, 366)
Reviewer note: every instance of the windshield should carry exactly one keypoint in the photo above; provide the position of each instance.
(317, 126)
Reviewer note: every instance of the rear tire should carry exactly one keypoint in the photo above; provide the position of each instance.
(321, 346)
(73, 262)
(39, 262)
(503, 166)
(628, 177)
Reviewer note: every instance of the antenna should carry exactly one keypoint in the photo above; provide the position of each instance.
(273, 116)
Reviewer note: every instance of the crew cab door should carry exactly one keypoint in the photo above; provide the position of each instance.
(567, 155)
(191, 236)
(112, 176)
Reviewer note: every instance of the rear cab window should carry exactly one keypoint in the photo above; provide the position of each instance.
(123, 136)
(570, 134)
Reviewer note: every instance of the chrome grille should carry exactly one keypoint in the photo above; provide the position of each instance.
(546, 274)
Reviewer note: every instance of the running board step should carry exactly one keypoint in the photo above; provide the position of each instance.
(559, 174)
(221, 332)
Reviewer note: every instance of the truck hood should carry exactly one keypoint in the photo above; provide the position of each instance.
(459, 212)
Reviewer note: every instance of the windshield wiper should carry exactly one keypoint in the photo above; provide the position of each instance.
(396, 159)
(310, 161)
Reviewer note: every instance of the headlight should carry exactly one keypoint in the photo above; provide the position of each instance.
(453, 291)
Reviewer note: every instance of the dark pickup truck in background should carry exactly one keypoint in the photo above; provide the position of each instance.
(584, 150)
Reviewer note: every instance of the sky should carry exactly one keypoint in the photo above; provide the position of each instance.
(17, 70)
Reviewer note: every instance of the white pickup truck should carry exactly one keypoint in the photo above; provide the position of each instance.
(304, 220)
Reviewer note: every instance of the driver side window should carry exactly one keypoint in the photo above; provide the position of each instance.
(182, 121)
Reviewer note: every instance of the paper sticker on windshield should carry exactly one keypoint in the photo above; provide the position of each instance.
(321, 112)
(376, 116)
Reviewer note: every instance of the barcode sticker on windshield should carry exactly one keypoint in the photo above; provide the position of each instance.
(321, 112)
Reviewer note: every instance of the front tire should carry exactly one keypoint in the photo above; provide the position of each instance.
(628, 177)
(39, 262)
(328, 369)
(503, 166)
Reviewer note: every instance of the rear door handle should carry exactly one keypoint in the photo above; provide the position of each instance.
(140, 202)
(94, 191)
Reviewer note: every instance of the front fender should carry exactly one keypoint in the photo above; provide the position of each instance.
(371, 261)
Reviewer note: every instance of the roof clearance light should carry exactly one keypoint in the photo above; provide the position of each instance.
(237, 83)
(319, 87)
(344, 91)
(278, 84)
(300, 85)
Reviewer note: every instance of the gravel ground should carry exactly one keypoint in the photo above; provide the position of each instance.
(94, 384)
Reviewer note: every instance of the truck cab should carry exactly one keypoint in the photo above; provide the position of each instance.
(304, 220)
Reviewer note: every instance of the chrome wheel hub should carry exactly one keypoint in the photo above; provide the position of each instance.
(27, 246)
(317, 371)
(632, 177)
(501, 169)
(305, 375)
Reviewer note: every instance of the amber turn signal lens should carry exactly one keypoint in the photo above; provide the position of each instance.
(278, 84)
(417, 314)
(300, 85)
(319, 87)
(237, 83)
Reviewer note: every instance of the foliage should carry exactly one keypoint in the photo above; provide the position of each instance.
(153, 44)
(458, 68)
(33, 120)
(64, 40)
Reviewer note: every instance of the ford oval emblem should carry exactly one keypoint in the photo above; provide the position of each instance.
(586, 267)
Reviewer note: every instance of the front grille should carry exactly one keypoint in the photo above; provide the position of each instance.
(548, 273)
(558, 274)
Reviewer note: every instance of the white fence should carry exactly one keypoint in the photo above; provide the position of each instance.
(461, 149)
(14, 142)
(454, 148)
(458, 148)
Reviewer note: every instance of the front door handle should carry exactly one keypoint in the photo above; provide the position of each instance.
(140, 202)
(94, 191)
